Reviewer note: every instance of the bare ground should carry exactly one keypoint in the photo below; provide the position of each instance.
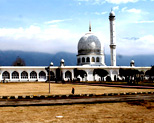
(82, 113)
(43, 88)
(134, 112)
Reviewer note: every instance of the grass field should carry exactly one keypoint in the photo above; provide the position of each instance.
(43, 88)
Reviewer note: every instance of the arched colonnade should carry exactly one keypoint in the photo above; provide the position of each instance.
(66, 73)
(24, 75)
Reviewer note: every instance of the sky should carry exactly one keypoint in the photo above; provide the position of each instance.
(53, 26)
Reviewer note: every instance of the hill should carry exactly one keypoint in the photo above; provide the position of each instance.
(44, 59)
(36, 58)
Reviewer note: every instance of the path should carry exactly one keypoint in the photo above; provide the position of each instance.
(78, 100)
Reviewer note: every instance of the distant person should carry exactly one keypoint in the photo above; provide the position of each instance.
(4, 80)
(73, 90)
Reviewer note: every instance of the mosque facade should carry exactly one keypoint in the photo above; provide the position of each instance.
(90, 58)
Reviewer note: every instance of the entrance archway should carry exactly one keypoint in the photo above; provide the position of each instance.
(68, 75)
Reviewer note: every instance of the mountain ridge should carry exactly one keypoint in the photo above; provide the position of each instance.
(44, 59)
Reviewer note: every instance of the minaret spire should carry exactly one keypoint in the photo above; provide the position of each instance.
(89, 26)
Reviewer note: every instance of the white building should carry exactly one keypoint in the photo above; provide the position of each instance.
(90, 57)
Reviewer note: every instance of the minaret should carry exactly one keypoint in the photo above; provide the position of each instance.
(112, 38)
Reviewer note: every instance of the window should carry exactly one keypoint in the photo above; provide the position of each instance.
(33, 75)
(15, 75)
(97, 59)
(6, 75)
(42, 75)
(24, 75)
(79, 60)
(83, 59)
(88, 59)
(93, 59)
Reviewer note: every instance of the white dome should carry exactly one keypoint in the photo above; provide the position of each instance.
(51, 64)
(112, 13)
(132, 61)
(89, 44)
(62, 60)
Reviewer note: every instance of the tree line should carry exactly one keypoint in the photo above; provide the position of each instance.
(133, 76)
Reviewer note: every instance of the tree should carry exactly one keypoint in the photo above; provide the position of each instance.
(81, 73)
(130, 75)
(75, 72)
(100, 72)
(123, 73)
(150, 73)
(108, 79)
(19, 62)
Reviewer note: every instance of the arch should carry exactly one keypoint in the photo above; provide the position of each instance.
(87, 59)
(33, 75)
(93, 59)
(68, 75)
(115, 72)
(6, 75)
(115, 75)
(42, 75)
(15, 75)
(24, 75)
(83, 59)
(79, 60)
(97, 59)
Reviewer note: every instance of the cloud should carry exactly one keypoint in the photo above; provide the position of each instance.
(124, 9)
(53, 39)
(150, 21)
(136, 11)
(103, 13)
(131, 38)
(133, 10)
(96, 13)
(100, 13)
(135, 45)
(56, 21)
(35, 38)
(116, 8)
(121, 1)
(53, 21)
(109, 1)
(38, 39)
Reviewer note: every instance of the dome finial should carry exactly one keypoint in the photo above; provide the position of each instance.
(112, 12)
(89, 26)
(111, 9)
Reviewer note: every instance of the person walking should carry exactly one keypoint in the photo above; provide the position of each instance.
(73, 90)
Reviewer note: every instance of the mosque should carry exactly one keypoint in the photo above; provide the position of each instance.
(90, 58)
